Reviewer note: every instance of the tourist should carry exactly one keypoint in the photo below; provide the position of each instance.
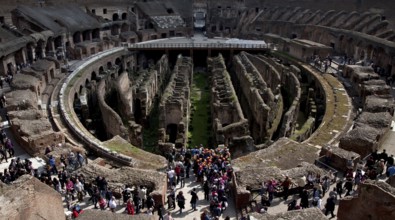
(304, 201)
(348, 185)
(194, 198)
(143, 195)
(137, 202)
(102, 203)
(79, 188)
(160, 211)
(330, 206)
(180, 201)
(391, 171)
(206, 189)
(150, 203)
(168, 216)
(170, 174)
(286, 184)
(333, 193)
(130, 207)
(339, 188)
(112, 204)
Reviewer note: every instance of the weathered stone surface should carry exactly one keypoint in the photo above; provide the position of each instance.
(29, 114)
(21, 99)
(252, 179)
(362, 140)
(302, 214)
(378, 104)
(375, 200)
(284, 154)
(92, 214)
(28, 198)
(141, 159)
(156, 182)
(380, 120)
(391, 181)
(338, 157)
(22, 81)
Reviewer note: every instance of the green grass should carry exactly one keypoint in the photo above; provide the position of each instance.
(200, 102)
(150, 135)
(122, 147)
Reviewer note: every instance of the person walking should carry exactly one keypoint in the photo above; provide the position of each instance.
(194, 199)
(181, 201)
(330, 206)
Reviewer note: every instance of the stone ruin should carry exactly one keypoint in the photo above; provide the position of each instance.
(375, 200)
(174, 107)
(374, 122)
(228, 118)
(92, 214)
(259, 99)
(154, 181)
(302, 214)
(284, 157)
(29, 198)
(26, 106)
(126, 100)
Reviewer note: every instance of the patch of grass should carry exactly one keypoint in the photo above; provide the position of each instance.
(200, 100)
(122, 147)
(150, 135)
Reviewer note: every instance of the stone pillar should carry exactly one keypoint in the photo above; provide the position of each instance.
(33, 51)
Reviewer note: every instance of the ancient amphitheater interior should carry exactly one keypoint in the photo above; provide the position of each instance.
(282, 84)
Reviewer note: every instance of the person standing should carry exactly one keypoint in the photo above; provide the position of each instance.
(330, 206)
(181, 201)
(339, 188)
(206, 189)
(143, 196)
(194, 199)
(286, 184)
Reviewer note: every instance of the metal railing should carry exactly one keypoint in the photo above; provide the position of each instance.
(197, 45)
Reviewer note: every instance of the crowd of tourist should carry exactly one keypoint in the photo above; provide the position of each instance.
(212, 171)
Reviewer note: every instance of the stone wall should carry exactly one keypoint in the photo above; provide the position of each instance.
(23, 199)
(156, 182)
(258, 97)
(228, 118)
(112, 121)
(375, 200)
(175, 103)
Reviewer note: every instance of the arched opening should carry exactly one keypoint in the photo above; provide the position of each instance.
(87, 83)
(118, 62)
(49, 47)
(293, 36)
(115, 17)
(115, 29)
(77, 37)
(171, 131)
(124, 16)
(124, 27)
(137, 113)
(80, 91)
(101, 69)
(109, 65)
(96, 33)
(86, 35)
(40, 49)
(150, 26)
(58, 42)
(93, 76)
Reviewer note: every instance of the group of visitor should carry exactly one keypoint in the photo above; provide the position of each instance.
(211, 169)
